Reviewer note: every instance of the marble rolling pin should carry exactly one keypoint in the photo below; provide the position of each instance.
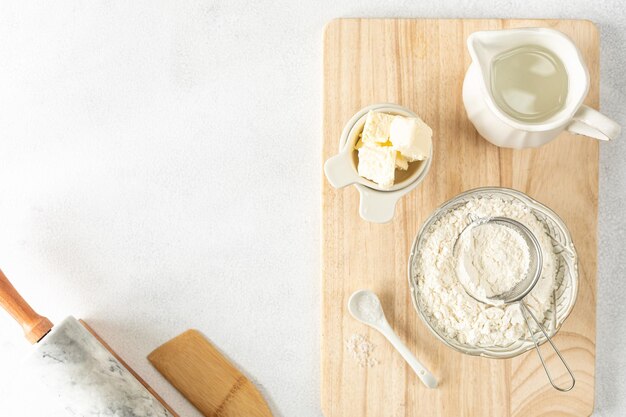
(207, 379)
(88, 378)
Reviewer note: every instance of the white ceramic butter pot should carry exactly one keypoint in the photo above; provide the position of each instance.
(501, 129)
(376, 205)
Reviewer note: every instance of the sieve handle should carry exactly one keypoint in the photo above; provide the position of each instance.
(545, 367)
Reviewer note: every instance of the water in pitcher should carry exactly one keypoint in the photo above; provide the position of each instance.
(529, 83)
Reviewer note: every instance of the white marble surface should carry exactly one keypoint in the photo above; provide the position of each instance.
(160, 170)
(86, 379)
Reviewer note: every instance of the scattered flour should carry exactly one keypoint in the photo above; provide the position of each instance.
(449, 308)
(491, 259)
(361, 349)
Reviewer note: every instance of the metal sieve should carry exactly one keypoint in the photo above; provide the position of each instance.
(516, 294)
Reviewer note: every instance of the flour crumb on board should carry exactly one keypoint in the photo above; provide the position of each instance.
(361, 349)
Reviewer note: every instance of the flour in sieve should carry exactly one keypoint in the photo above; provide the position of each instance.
(449, 308)
(491, 260)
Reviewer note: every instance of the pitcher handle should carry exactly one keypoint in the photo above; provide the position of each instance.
(592, 123)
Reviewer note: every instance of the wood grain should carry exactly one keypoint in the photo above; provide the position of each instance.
(35, 326)
(207, 379)
(421, 64)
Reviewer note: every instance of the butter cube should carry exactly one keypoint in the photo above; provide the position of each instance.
(378, 164)
(411, 137)
(377, 127)
(401, 162)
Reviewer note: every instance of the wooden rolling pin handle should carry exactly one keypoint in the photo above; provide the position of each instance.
(35, 326)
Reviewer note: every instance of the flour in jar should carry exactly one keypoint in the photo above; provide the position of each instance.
(441, 295)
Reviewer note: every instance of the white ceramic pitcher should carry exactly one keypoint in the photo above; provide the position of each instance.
(503, 130)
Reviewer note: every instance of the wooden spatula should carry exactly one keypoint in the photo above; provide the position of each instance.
(207, 379)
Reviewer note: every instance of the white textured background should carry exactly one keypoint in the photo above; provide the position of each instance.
(160, 170)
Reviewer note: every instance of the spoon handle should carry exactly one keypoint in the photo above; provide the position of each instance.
(422, 373)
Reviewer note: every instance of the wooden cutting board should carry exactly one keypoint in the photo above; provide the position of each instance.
(420, 64)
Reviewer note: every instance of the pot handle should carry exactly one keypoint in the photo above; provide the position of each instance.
(340, 171)
(378, 206)
(592, 123)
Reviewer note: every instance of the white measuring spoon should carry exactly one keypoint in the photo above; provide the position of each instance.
(365, 306)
